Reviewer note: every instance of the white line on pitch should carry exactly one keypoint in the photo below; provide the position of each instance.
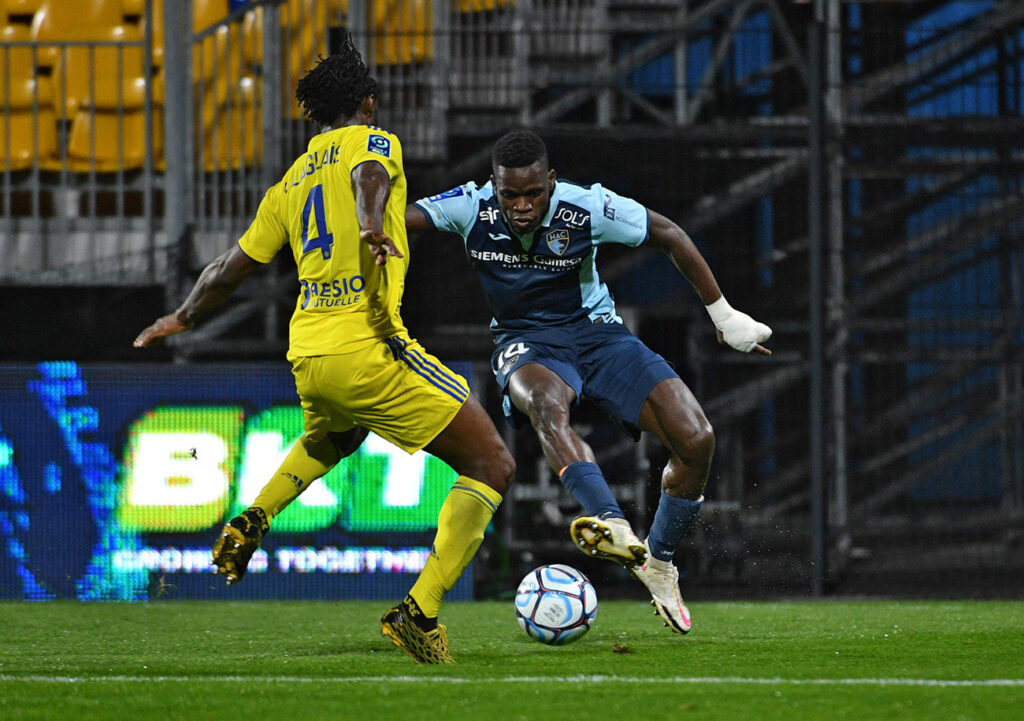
(739, 680)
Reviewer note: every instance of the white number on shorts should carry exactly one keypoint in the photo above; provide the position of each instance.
(510, 354)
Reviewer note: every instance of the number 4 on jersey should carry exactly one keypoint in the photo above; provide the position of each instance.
(323, 240)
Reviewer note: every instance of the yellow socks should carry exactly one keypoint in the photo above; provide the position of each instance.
(460, 525)
(460, 530)
(304, 464)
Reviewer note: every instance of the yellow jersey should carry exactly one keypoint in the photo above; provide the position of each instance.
(346, 301)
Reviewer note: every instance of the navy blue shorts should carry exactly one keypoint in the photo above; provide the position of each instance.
(602, 362)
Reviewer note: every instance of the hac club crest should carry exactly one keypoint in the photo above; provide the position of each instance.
(557, 240)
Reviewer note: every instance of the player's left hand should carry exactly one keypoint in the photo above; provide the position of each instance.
(756, 348)
(380, 245)
(738, 330)
(163, 326)
(741, 332)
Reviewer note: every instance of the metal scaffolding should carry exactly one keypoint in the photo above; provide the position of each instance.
(852, 169)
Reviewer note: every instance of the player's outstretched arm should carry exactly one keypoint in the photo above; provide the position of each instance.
(215, 285)
(735, 328)
(373, 186)
(415, 219)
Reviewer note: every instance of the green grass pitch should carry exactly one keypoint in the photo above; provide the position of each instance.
(318, 660)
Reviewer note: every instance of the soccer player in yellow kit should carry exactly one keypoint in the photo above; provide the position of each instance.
(340, 208)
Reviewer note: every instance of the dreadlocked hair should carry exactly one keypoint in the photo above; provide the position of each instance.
(518, 149)
(336, 86)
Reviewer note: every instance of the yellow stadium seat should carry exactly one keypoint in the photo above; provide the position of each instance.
(475, 6)
(232, 135)
(61, 21)
(27, 104)
(219, 56)
(303, 22)
(204, 14)
(23, 7)
(157, 21)
(304, 25)
(16, 61)
(207, 12)
(133, 7)
(119, 142)
(81, 70)
(217, 69)
(108, 135)
(306, 12)
(252, 37)
(403, 31)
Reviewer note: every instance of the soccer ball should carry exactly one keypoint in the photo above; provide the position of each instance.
(555, 604)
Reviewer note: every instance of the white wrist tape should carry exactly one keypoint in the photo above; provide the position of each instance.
(720, 311)
(739, 330)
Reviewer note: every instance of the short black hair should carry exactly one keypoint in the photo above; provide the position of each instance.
(336, 86)
(518, 149)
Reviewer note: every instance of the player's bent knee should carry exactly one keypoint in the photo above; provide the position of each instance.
(486, 460)
(696, 445)
(347, 442)
(498, 470)
(505, 471)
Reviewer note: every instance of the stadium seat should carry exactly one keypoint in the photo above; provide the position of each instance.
(82, 70)
(403, 31)
(120, 141)
(252, 37)
(22, 11)
(301, 22)
(204, 14)
(207, 12)
(107, 137)
(304, 25)
(217, 63)
(60, 20)
(475, 6)
(27, 104)
(158, 32)
(218, 54)
(16, 61)
(23, 7)
(133, 7)
(232, 135)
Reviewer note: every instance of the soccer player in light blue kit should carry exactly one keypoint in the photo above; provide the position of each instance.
(533, 239)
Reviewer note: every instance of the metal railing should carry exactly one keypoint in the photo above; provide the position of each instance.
(78, 157)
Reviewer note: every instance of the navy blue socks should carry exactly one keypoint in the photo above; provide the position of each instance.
(587, 485)
(671, 521)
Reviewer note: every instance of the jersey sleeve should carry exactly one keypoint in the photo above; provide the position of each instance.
(268, 230)
(453, 210)
(617, 219)
(376, 144)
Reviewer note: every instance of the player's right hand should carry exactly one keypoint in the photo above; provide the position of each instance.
(163, 326)
(380, 245)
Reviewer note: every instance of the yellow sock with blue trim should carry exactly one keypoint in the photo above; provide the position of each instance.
(304, 463)
(460, 530)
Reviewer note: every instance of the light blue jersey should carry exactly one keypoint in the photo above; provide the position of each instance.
(549, 276)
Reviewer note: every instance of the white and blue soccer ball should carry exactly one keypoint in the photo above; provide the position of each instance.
(555, 604)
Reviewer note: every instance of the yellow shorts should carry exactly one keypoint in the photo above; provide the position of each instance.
(393, 388)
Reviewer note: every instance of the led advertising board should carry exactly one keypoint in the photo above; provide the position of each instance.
(115, 481)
